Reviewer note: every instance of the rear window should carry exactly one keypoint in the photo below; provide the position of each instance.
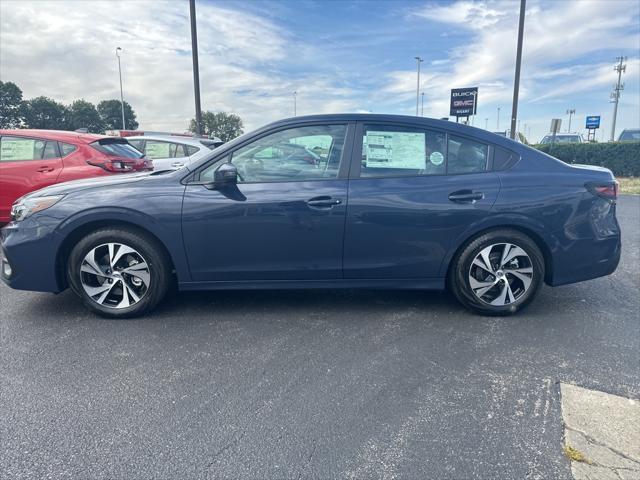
(117, 148)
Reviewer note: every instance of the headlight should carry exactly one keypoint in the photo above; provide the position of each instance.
(26, 207)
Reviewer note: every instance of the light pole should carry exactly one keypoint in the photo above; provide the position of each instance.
(295, 104)
(418, 62)
(422, 106)
(516, 82)
(615, 95)
(486, 124)
(498, 121)
(118, 50)
(570, 112)
(196, 68)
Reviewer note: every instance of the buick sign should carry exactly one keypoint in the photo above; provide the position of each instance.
(464, 101)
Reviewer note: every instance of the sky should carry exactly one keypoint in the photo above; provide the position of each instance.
(339, 56)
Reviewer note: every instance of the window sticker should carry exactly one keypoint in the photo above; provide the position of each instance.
(395, 150)
(18, 149)
(157, 150)
(436, 158)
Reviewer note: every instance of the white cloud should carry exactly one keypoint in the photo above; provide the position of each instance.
(66, 50)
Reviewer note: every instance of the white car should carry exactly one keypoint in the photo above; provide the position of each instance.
(562, 138)
(170, 152)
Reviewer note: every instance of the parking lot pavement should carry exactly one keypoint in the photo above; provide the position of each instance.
(311, 384)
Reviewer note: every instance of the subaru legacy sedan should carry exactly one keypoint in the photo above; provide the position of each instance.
(371, 201)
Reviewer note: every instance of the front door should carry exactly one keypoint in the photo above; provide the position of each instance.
(26, 164)
(412, 193)
(284, 220)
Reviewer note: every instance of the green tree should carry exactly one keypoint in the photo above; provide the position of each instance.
(225, 126)
(11, 112)
(83, 114)
(111, 114)
(42, 112)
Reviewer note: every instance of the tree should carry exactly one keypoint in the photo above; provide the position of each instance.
(225, 126)
(10, 105)
(111, 114)
(42, 112)
(83, 114)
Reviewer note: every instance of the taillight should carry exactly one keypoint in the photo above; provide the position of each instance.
(114, 165)
(608, 190)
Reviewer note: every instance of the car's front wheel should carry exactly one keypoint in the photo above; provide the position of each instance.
(497, 273)
(118, 272)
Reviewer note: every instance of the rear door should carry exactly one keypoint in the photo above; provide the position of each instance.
(412, 192)
(166, 155)
(26, 164)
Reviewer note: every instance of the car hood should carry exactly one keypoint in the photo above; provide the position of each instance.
(87, 183)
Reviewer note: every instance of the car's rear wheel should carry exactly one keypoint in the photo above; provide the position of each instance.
(118, 272)
(497, 273)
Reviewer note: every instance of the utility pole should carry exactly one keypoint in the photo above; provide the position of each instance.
(486, 124)
(615, 95)
(295, 104)
(498, 121)
(196, 69)
(422, 106)
(418, 61)
(570, 112)
(516, 82)
(118, 50)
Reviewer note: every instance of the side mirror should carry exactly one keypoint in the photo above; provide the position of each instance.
(225, 175)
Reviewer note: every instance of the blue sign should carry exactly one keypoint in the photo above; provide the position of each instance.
(593, 122)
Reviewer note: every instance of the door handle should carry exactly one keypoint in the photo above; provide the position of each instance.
(177, 164)
(45, 168)
(465, 196)
(323, 201)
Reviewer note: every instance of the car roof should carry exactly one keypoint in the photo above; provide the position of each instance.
(424, 122)
(59, 135)
(170, 138)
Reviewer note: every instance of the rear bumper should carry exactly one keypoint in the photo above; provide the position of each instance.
(585, 260)
(30, 250)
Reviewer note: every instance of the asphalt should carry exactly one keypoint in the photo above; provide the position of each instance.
(311, 384)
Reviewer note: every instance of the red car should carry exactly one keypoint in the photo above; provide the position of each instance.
(33, 159)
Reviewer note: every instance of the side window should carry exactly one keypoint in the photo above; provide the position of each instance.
(390, 151)
(191, 150)
(15, 149)
(503, 159)
(66, 148)
(295, 154)
(466, 155)
(137, 144)
(176, 150)
(155, 149)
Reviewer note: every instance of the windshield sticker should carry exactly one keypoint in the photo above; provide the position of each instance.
(436, 158)
(157, 150)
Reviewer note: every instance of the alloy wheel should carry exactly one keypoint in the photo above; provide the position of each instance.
(501, 274)
(115, 275)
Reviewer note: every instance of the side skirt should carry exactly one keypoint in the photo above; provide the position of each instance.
(390, 284)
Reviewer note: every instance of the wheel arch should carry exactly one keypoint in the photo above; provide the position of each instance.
(73, 237)
(536, 237)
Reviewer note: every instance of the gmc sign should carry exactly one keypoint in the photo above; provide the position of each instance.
(464, 102)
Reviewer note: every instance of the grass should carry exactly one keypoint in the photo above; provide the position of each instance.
(575, 455)
(629, 185)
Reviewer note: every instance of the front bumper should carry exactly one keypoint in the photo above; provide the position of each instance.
(30, 249)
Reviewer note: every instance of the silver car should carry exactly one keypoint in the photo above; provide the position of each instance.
(170, 152)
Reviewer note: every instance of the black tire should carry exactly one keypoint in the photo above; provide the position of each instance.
(460, 284)
(153, 254)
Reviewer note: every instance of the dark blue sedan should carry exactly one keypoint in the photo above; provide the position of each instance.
(327, 201)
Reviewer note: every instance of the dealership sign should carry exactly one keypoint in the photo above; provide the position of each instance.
(464, 101)
(593, 122)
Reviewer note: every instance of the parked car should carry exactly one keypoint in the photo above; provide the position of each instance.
(33, 159)
(171, 152)
(629, 135)
(211, 142)
(392, 202)
(562, 138)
